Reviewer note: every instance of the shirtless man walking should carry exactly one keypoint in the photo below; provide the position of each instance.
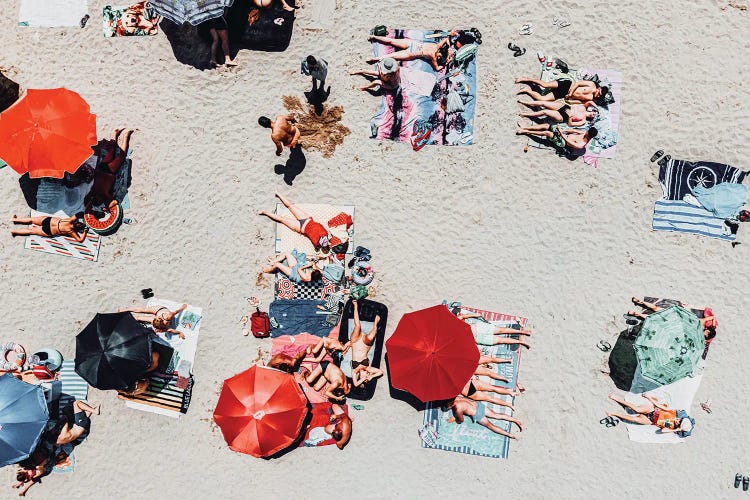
(284, 131)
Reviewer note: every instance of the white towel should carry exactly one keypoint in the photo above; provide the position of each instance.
(51, 13)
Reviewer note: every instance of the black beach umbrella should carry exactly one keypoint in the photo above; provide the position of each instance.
(113, 351)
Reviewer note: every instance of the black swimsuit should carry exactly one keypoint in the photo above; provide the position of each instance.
(364, 362)
(324, 365)
(563, 86)
(564, 113)
(46, 226)
(472, 390)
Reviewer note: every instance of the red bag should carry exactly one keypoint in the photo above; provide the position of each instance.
(260, 325)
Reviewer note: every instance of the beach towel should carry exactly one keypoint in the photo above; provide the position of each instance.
(315, 434)
(368, 309)
(297, 316)
(72, 388)
(51, 13)
(684, 217)
(723, 200)
(677, 395)
(63, 245)
(129, 20)
(268, 29)
(415, 113)
(678, 178)
(287, 240)
(319, 290)
(53, 196)
(293, 344)
(608, 121)
(469, 437)
(163, 396)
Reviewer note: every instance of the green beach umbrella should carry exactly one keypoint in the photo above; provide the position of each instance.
(669, 345)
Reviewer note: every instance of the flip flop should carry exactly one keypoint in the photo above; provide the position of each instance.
(84, 20)
(563, 24)
(513, 47)
(604, 346)
(631, 320)
(519, 53)
(737, 480)
(657, 155)
(663, 162)
(745, 483)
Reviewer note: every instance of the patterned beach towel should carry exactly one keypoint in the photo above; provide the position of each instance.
(51, 13)
(683, 217)
(63, 245)
(678, 178)
(73, 387)
(137, 19)
(416, 112)
(315, 434)
(469, 437)
(162, 396)
(285, 289)
(327, 215)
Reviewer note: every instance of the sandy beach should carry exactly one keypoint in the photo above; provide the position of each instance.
(559, 242)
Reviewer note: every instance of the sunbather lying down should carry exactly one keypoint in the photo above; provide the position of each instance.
(160, 318)
(655, 413)
(708, 321)
(486, 333)
(580, 92)
(574, 115)
(439, 55)
(563, 138)
(294, 266)
(72, 227)
(330, 376)
(480, 414)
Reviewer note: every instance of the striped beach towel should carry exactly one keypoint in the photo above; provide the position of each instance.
(162, 396)
(73, 387)
(469, 437)
(681, 216)
(63, 245)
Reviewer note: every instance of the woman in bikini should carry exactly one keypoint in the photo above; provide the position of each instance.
(72, 227)
(480, 414)
(575, 115)
(475, 385)
(302, 223)
(655, 413)
(75, 424)
(113, 156)
(485, 333)
(387, 77)
(327, 346)
(160, 318)
(361, 344)
(580, 92)
(294, 266)
(438, 55)
(708, 321)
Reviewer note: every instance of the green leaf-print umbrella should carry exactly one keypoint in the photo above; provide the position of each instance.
(669, 345)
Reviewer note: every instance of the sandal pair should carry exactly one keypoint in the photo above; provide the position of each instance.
(517, 51)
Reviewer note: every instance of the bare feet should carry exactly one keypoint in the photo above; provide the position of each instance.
(230, 62)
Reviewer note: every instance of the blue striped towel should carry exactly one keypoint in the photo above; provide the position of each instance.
(73, 386)
(680, 216)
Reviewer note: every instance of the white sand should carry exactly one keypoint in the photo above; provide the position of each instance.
(561, 243)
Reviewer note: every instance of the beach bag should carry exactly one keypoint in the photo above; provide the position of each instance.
(380, 30)
(466, 52)
(260, 324)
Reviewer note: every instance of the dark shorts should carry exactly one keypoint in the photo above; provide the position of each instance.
(472, 390)
(564, 113)
(217, 23)
(46, 226)
(563, 86)
(324, 365)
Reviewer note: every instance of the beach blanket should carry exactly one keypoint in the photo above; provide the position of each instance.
(298, 316)
(416, 112)
(315, 434)
(53, 196)
(684, 217)
(72, 388)
(320, 290)
(268, 29)
(327, 215)
(63, 245)
(163, 396)
(293, 344)
(608, 121)
(129, 20)
(51, 13)
(678, 178)
(368, 309)
(678, 395)
(469, 437)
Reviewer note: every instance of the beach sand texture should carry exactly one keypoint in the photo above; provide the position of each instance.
(559, 242)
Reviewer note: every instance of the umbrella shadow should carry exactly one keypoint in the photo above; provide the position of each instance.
(400, 395)
(295, 444)
(623, 361)
(9, 92)
(293, 167)
(188, 43)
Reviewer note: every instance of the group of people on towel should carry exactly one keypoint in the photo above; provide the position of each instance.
(562, 111)
(101, 168)
(328, 378)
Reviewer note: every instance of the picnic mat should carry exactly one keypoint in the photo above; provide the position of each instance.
(163, 396)
(129, 20)
(608, 122)
(321, 415)
(51, 13)
(72, 387)
(320, 290)
(469, 437)
(287, 240)
(63, 245)
(416, 113)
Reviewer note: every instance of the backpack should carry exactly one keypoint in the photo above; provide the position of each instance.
(260, 325)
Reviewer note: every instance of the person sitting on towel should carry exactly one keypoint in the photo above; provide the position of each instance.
(75, 423)
(388, 76)
(294, 266)
(160, 318)
(287, 363)
(338, 428)
(486, 333)
(327, 373)
(480, 414)
(439, 55)
(112, 158)
(563, 138)
(361, 343)
(284, 131)
(580, 92)
(72, 227)
(655, 413)
(302, 223)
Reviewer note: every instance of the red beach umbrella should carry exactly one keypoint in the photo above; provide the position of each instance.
(261, 411)
(47, 132)
(432, 354)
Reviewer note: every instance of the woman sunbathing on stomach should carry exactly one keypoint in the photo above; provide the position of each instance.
(302, 222)
(71, 227)
(437, 54)
(580, 92)
(485, 332)
(361, 344)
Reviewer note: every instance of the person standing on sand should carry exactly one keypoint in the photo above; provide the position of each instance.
(284, 131)
(317, 68)
(219, 30)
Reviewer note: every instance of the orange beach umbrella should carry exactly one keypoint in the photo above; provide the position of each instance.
(47, 132)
